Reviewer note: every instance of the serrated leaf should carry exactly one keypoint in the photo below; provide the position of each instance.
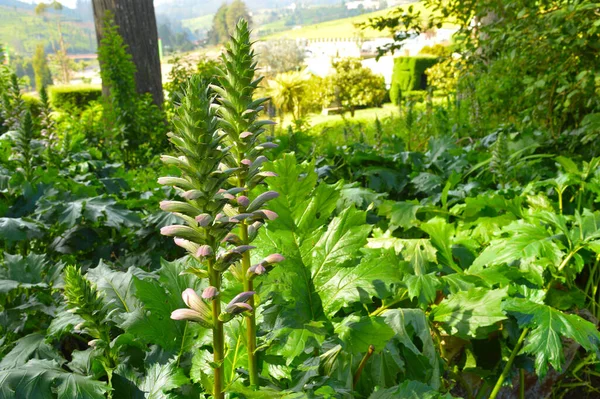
(371, 277)
(39, 379)
(525, 241)
(410, 390)
(354, 194)
(404, 320)
(32, 346)
(97, 208)
(548, 325)
(345, 235)
(17, 229)
(162, 378)
(151, 320)
(473, 313)
(117, 289)
(402, 214)
(63, 323)
(358, 333)
(441, 233)
(423, 286)
(27, 272)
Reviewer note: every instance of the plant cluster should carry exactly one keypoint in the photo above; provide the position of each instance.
(394, 259)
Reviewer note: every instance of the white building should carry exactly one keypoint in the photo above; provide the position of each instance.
(366, 4)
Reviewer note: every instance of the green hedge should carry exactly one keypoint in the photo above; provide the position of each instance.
(68, 98)
(409, 75)
(32, 103)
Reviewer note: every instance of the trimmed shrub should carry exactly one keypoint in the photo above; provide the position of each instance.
(32, 103)
(409, 75)
(67, 98)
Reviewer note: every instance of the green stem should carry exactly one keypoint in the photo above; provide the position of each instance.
(560, 202)
(521, 383)
(568, 258)
(218, 335)
(385, 307)
(251, 319)
(508, 365)
(482, 390)
(361, 365)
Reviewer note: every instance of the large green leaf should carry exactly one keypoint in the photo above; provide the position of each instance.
(32, 346)
(410, 390)
(547, 326)
(526, 241)
(340, 286)
(27, 272)
(302, 205)
(409, 324)
(473, 313)
(17, 229)
(358, 333)
(423, 286)
(117, 289)
(162, 378)
(39, 379)
(151, 320)
(96, 209)
(441, 233)
(401, 214)
(345, 235)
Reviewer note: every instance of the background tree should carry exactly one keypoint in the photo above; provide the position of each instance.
(136, 23)
(287, 90)
(355, 86)
(278, 56)
(218, 33)
(60, 54)
(225, 20)
(237, 10)
(41, 70)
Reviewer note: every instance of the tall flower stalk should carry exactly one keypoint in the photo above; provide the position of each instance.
(220, 161)
(238, 117)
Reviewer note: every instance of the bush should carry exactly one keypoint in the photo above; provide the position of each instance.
(355, 86)
(32, 103)
(67, 98)
(409, 74)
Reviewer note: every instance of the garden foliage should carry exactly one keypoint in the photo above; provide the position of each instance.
(434, 264)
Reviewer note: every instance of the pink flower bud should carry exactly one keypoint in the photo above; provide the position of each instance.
(204, 219)
(243, 135)
(232, 239)
(246, 162)
(274, 258)
(210, 292)
(186, 314)
(243, 200)
(257, 269)
(204, 251)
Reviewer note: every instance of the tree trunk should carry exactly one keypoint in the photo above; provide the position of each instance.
(137, 26)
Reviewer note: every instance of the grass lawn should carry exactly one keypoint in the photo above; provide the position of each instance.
(333, 130)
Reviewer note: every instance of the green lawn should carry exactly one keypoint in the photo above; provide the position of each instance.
(342, 28)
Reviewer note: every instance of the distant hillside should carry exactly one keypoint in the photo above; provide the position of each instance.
(203, 23)
(17, 4)
(340, 28)
(22, 30)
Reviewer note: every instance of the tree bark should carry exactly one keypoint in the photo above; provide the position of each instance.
(137, 26)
